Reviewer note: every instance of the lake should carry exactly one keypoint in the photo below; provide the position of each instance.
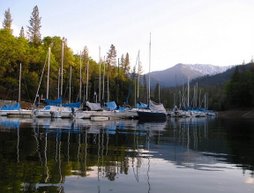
(198, 155)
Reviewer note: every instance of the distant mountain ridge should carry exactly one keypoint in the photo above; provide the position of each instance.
(179, 74)
(221, 78)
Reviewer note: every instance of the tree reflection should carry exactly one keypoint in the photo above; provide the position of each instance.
(47, 156)
(36, 158)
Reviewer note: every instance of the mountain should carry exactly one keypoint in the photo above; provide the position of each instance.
(178, 74)
(221, 78)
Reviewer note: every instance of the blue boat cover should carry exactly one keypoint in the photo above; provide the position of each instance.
(111, 105)
(122, 109)
(141, 105)
(15, 106)
(72, 105)
(56, 102)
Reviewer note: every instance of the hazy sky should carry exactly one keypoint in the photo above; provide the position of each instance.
(218, 32)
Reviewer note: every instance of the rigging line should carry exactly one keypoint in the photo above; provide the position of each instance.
(41, 78)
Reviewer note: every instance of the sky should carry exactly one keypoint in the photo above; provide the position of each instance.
(217, 32)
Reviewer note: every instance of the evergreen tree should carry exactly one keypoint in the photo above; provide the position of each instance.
(126, 64)
(35, 26)
(240, 88)
(122, 61)
(85, 55)
(22, 32)
(7, 20)
(111, 57)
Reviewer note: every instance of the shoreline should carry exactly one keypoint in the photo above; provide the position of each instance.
(236, 114)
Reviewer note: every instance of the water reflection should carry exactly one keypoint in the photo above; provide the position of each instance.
(54, 155)
(205, 144)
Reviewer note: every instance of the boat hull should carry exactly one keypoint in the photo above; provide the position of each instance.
(151, 116)
(22, 113)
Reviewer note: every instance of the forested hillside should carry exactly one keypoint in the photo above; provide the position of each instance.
(32, 51)
(78, 77)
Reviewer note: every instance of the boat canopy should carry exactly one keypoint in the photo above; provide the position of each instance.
(15, 106)
(141, 105)
(156, 107)
(111, 105)
(93, 106)
(56, 102)
(72, 105)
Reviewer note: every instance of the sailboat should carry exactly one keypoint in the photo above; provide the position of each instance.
(155, 111)
(51, 106)
(55, 108)
(15, 110)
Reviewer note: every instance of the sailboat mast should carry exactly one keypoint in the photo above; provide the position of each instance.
(62, 61)
(58, 83)
(70, 84)
(103, 81)
(117, 82)
(149, 81)
(99, 73)
(138, 75)
(159, 91)
(80, 77)
(87, 79)
(49, 52)
(108, 81)
(188, 93)
(20, 70)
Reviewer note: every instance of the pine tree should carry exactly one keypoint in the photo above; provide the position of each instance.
(85, 55)
(111, 58)
(22, 32)
(126, 64)
(35, 26)
(122, 61)
(7, 20)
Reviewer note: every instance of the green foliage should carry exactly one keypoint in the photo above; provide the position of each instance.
(125, 63)
(32, 53)
(16, 50)
(240, 90)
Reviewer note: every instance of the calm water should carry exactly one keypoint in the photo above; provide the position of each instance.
(178, 156)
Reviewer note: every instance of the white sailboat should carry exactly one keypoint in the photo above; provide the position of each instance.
(48, 110)
(54, 111)
(155, 112)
